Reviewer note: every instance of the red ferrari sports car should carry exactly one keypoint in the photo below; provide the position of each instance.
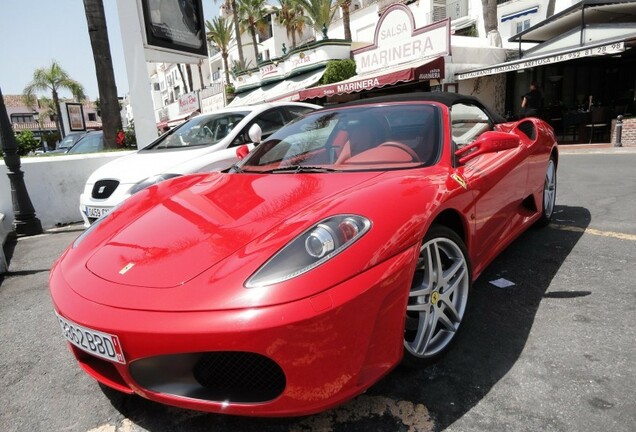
(342, 245)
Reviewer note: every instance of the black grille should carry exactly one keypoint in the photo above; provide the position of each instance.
(104, 188)
(240, 376)
(225, 376)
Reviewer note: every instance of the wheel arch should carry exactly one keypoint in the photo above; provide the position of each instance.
(453, 220)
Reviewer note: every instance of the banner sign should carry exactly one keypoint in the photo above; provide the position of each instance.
(397, 41)
(516, 65)
(177, 25)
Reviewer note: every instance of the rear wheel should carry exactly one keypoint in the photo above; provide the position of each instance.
(438, 296)
(549, 193)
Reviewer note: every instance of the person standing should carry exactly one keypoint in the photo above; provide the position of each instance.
(532, 102)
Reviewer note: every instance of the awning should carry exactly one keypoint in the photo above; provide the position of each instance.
(546, 59)
(286, 90)
(579, 16)
(521, 13)
(413, 71)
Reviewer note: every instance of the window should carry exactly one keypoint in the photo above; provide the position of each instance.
(22, 118)
(92, 117)
(265, 32)
(270, 121)
(467, 123)
(523, 25)
(297, 111)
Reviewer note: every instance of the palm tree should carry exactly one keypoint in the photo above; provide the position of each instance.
(53, 79)
(109, 103)
(346, 19)
(232, 6)
(252, 13)
(319, 12)
(220, 34)
(290, 15)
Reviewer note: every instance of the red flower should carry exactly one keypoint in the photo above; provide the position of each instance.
(121, 138)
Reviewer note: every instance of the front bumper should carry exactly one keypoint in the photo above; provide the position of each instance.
(328, 348)
(86, 200)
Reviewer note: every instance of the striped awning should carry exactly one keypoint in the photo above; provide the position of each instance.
(521, 13)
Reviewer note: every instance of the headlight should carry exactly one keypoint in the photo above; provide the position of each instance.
(315, 246)
(150, 181)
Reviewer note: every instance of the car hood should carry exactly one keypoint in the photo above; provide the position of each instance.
(184, 234)
(139, 166)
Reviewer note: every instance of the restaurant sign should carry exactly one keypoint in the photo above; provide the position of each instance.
(397, 41)
(516, 65)
(188, 103)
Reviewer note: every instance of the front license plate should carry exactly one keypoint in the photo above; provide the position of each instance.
(94, 342)
(96, 212)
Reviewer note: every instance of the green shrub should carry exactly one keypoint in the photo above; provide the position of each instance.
(51, 138)
(338, 70)
(26, 142)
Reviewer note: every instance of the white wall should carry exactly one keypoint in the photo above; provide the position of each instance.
(54, 185)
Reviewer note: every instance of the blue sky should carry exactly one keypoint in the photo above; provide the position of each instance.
(34, 32)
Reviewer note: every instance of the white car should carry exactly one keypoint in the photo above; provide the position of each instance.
(206, 142)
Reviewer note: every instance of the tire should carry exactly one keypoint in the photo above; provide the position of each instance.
(549, 193)
(437, 298)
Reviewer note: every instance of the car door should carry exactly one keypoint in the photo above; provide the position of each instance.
(498, 179)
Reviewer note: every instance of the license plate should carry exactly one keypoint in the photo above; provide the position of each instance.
(96, 212)
(94, 342)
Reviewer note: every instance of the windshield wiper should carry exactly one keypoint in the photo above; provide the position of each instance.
(300, 169)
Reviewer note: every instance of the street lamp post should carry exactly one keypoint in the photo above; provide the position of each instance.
(36, 117)
(25, 222)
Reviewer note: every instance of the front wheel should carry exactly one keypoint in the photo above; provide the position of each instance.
(438, 296)
(549, 193)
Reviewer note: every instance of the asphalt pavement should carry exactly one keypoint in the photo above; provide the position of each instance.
(553, 352)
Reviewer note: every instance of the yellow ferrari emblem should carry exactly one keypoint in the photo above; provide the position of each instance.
(459, 180)
(128, 267)
(434, 298)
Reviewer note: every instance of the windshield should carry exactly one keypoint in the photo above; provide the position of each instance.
(353, 138)
(69, 141)
(202, 130)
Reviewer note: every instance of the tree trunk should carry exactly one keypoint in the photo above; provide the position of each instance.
(346, 20)
(227, 70)
(550, 10)
(293, 39)
(109, 103)
(201, 73)
(237, 33)
(183, 80)
(188, 69)
(58, 116)
(253, 33)
(490, 15)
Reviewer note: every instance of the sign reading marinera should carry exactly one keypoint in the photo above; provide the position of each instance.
(176, 25)
(397, 41)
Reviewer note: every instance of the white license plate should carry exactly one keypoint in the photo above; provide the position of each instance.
(94, 342)
(96, 212)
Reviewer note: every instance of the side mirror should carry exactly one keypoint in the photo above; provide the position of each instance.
(242, 151)
(255, 133)
(488, 142)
